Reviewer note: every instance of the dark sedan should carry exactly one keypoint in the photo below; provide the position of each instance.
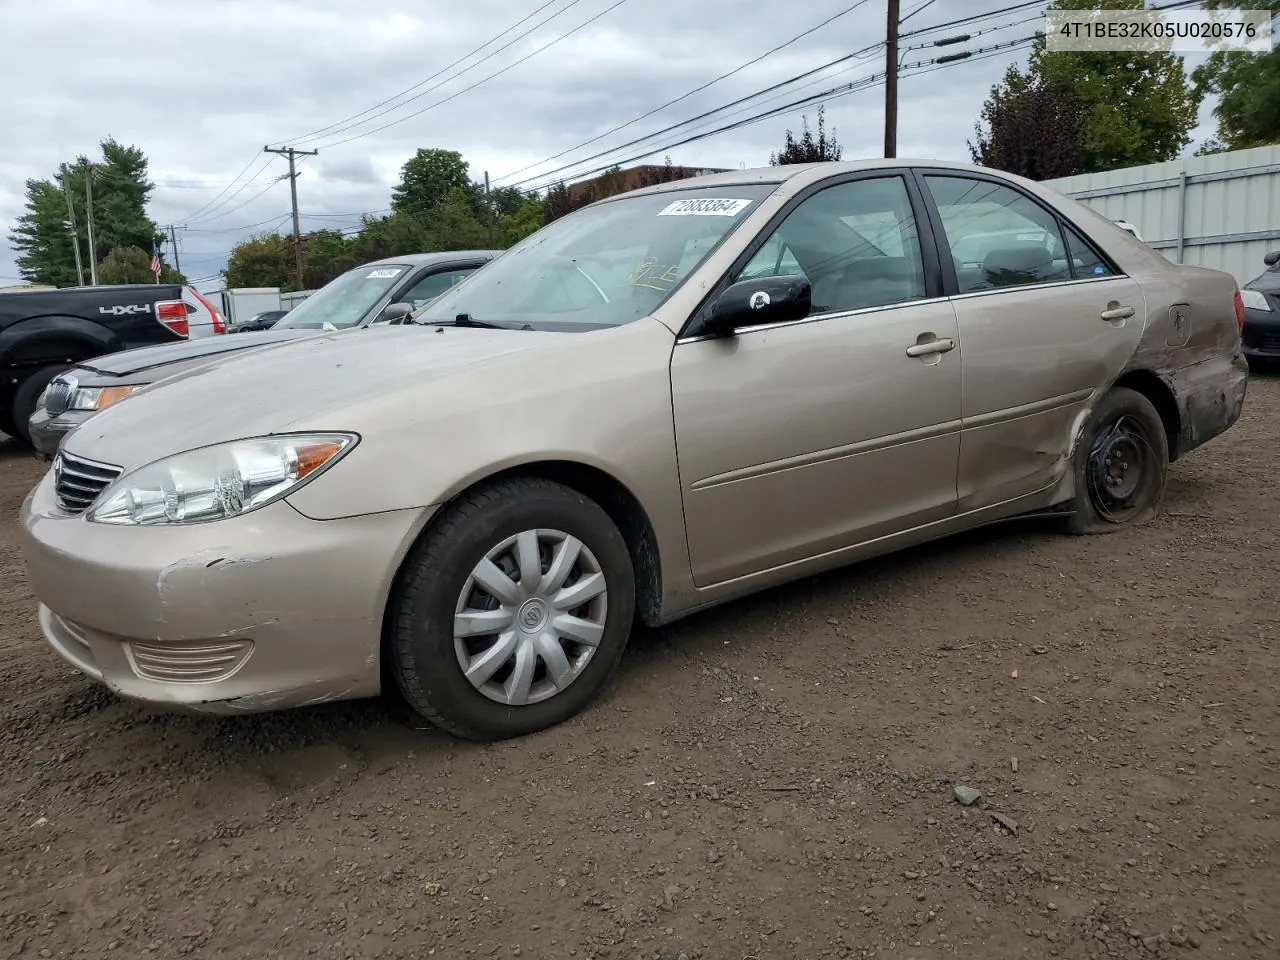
(259, 321)
(1261, 333)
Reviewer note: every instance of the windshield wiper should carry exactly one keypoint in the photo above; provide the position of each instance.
(467, 320)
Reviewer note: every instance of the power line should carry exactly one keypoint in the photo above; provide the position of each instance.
(823, 96)
(871, 48)
(496, 73)
(911, 13)
(330, 131)
(236, 179)
(685, 96)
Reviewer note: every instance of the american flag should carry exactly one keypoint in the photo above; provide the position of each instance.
(155, 261)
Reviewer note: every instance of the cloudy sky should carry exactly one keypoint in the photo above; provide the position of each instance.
(202, 85)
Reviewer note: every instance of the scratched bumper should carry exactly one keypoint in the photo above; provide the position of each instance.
(1210, 396)
(263, 612)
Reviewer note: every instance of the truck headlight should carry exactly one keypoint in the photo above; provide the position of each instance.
(218, 482)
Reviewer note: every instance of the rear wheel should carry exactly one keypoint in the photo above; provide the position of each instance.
(26, 398)
(1121, 465)
(512, 613)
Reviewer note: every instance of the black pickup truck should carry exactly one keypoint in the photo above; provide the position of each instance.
(43, 332)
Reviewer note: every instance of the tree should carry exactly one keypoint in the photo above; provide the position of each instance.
(264, 260)
(427, 178)
(1032, 128)
(43, 239)
(515, 226)
(560, 201)
(1136, 106)
(133, 265)
(453, 225)
(121, 190)
(1247, 86)
(664, 174)
(809, 149)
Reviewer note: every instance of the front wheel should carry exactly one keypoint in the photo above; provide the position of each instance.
(512, 612)
(26, 399)
(1121, 465)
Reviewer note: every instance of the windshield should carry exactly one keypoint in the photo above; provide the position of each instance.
(345, 300)
(601, 266)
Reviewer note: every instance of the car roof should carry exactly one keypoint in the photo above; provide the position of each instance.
(446, 256)
(808, 172)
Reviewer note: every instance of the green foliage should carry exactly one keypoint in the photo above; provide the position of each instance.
(1135, 107)
(121, 190)
(427, 178)
(265, 260)
(1030, 127)
(127, 264)
(808, 148)
(520, 223)
(1247, 86)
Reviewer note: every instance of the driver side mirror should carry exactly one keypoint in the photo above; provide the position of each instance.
(755, 303)
(1272, 258)
(396, 312)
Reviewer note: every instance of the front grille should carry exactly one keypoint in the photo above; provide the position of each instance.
(78, 482)
(58, 397)
(199, 662)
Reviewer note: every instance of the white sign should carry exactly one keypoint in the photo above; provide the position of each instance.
(1179, 31)
(384, 273)
(705, 207)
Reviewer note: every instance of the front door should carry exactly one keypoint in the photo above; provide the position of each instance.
(802, 438)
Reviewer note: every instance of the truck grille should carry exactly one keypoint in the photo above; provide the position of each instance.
(77, 482)
(58, 397)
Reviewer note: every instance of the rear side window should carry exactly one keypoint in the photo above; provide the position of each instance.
(1085, 261)
(997, 236)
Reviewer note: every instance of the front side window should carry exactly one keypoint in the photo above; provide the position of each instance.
(997, 236)
(346, 300)
(434, 284)
(602, 266)
(856, 242)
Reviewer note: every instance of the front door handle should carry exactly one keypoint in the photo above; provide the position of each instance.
(931, 346)
(1115, 311)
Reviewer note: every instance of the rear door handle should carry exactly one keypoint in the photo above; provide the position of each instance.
(932, 346)
(1115, 311)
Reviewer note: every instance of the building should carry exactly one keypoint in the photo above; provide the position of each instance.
(633, 178)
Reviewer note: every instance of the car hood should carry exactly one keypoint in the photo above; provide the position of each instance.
(1266, 282)
(144, 359)
(357, 380)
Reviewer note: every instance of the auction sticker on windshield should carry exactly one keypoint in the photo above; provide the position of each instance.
(384, 273)
(706, 207)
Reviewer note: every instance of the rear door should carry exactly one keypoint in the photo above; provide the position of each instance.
(1045, 322)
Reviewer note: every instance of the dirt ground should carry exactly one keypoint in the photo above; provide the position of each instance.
(773, 780)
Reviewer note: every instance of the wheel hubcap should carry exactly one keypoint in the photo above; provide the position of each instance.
(530, 617)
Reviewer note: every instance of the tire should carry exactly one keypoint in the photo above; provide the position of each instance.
(27, 395)
(1121, 465)
(479, 538)
(6, 424)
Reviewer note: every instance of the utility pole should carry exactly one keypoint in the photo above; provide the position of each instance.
(488, 206)
(891, 81)
(71, 218)
(88, 203)
(173, 238)
(291, 153)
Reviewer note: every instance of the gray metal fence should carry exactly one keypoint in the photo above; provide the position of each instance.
(1220, 211)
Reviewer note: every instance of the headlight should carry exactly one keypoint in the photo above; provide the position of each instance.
(96, 398)
(1254, 300)
(214, 483)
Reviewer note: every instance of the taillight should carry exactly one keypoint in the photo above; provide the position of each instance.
(173, 314)
(1239, 310)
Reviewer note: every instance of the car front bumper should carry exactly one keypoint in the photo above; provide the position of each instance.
(266, 611)
(1261, 334)
(47, 432)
